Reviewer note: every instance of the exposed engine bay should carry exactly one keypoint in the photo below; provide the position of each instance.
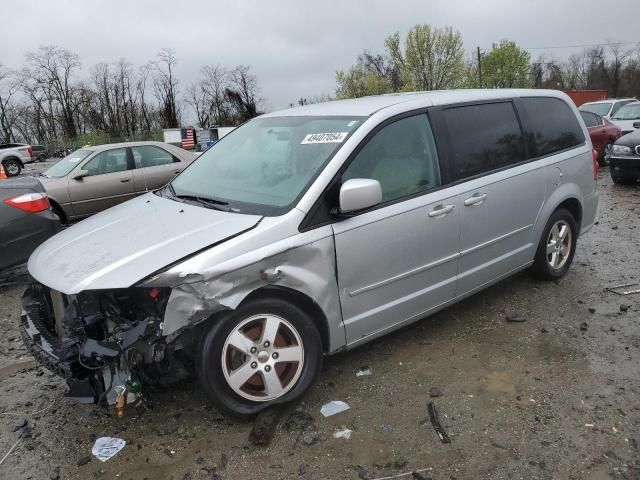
(107, 344)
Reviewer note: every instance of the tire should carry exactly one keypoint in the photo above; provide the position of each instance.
(603, 161)
(58, 211)
(12, 167)
(546, 266)
(218, 360)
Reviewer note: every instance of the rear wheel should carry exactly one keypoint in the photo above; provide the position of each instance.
(266, 352)
(12, 167)
(557, 246)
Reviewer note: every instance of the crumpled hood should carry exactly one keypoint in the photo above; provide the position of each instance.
(123, 245)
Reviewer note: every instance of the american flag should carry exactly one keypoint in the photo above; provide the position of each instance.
(188, 141)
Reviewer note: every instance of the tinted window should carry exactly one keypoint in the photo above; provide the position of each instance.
(109, 161)
(401, 156)
(151, 156)
(551, 126)
(590, 119)
(483, 138)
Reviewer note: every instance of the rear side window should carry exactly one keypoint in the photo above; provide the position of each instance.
(483, 138)
(551, 126)
(151, 156)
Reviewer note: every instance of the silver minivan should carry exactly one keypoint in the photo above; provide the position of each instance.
(306, 232)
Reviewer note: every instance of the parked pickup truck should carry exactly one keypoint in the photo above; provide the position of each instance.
(13, 157)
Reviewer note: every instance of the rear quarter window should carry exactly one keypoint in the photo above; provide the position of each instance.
(550, 125)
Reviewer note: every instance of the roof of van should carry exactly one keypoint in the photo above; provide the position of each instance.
(366, 106)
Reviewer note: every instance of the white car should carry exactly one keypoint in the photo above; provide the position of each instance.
(606, 108)
(14, 156)
(627, 119)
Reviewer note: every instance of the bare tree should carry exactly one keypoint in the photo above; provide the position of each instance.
(242, 93)
(165, 87)
(8, 87)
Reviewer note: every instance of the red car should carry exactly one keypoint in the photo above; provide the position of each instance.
(603, 135)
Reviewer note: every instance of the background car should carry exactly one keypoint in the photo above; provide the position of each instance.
(625, 159)
(627, 119)
(13, 157)
(603, 135)
(606, 108)
(26, 219)
(40, 152)
(93, 179)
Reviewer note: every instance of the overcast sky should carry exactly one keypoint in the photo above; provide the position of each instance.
(294, 46)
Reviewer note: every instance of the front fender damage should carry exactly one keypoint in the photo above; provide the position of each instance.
(308, 269)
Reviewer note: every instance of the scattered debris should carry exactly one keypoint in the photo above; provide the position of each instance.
(584, 326)
(311, 438)
(515, 318)
(588, 425)
(416, 474)
(333, 408)
(624, 307)
(10, 450)
(618, 289)
(363, 372)
(435, 392)
(592, 310)
(344, 433)
(84, 460)
(106, 447)
(435, 421)
(264, 426)
(362, 472)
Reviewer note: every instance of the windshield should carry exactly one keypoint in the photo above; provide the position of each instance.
(68, 163)
(265, 165)
(601, 109)
(628, 112)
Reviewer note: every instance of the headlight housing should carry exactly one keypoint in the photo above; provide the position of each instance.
(621, 150)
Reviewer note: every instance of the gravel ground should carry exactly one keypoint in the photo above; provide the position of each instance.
(556, 396)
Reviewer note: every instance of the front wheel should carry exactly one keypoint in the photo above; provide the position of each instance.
(12, 167)
(266, 352)
(557, 246)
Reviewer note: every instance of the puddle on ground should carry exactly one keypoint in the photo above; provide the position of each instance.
(500, 382)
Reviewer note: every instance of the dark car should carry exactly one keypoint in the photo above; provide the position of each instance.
(603, 135)
(40, 152)
(625, 159)
(26, 219)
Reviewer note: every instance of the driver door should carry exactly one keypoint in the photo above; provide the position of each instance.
(398, 260)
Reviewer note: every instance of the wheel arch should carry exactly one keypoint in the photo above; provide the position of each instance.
(56, 206)
(299, 299)
(13, 157)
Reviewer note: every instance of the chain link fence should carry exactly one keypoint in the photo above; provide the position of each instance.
(98, 138)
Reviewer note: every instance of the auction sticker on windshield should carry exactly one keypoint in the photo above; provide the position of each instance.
(336, 137)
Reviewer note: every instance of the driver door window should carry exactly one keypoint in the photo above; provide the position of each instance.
(401, 156)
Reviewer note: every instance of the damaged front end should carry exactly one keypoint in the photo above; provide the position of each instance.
(105, 343)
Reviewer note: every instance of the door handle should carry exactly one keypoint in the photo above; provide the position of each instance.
(440, 211)
(475, 199)
(125, 180)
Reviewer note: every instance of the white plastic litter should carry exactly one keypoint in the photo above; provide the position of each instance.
(346, 434)
(363, 372)
(333, 408)
(107, 447)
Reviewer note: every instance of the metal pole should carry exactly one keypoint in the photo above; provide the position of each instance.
(479, 67)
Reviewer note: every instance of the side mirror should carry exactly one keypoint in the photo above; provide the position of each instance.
(636, 124)
(79, 175)
(359, 193)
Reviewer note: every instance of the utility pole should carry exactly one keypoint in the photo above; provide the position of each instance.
(479, 67)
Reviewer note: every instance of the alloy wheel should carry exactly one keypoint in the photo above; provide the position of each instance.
(559, 244)
(262, 358)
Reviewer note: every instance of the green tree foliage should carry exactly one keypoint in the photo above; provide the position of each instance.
(432, 59)
(506, 66)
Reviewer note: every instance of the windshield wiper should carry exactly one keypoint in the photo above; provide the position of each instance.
(205, 201)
